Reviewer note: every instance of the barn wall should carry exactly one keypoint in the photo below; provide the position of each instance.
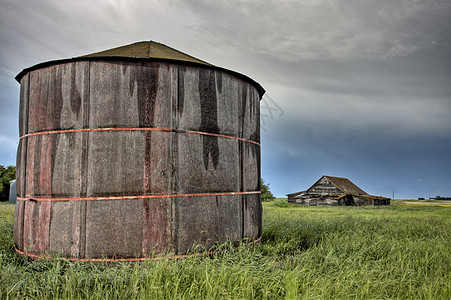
(324, 187)
(316, 201)
(361, 201)
(292, 200)
(382, 202)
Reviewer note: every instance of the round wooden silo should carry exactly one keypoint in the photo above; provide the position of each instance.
(134, 151)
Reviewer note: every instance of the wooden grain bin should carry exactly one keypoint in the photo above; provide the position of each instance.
(134, 151)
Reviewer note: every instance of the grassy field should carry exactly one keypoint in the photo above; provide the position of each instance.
(399, 251)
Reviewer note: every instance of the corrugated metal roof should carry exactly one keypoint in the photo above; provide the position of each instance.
(148, 50)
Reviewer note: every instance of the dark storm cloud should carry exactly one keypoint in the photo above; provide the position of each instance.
(37, 31)
(364, 85)
(325, 29)
(401, 93)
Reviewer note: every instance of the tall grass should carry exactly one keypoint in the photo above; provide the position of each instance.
(400, 252)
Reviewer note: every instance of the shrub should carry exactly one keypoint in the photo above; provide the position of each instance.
(6, 175)
(266, 193)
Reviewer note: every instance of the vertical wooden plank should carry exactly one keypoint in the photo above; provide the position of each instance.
(204, 221)
(75, 230)
(21, 163)
(252, 216)
(156, 162)
(114, 228)
(196, 176)
(45, 101)
(42, 243)
(65, 228)
(55, 100)
(113, 100)
(188, 104)
(73, 88)
(167, 76)
(116, 163)
(155, 226)
(28, 227)
(23, 105)
(66, 155)
(251, 167)
(84, 167)
(36, 226)
(43, 165)
(130, 94)
(155, 111)
(30, 166)
(228, 104)
(18, 224)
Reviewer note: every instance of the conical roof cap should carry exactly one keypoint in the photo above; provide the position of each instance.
(146, 50)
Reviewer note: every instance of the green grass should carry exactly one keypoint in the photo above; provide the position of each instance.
(397, 252)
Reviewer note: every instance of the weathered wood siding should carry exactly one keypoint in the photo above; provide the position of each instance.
(317, 202)
(362, 201)
(102, 94)
(323, 186)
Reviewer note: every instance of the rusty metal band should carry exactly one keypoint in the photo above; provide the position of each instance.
(138, 129)
(41, 199)
(47, 256)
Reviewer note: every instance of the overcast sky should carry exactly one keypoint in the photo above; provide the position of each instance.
(357, 88)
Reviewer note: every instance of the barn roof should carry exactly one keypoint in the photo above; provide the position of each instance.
(372, 197)
(345, 185)
(295, 194)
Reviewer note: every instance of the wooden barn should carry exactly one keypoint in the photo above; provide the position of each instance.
(335, 191)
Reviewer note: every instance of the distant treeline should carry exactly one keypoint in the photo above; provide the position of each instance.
(441, 198)
(437, 198)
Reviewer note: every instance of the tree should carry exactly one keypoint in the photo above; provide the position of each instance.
(266, 193)
(6, 175)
